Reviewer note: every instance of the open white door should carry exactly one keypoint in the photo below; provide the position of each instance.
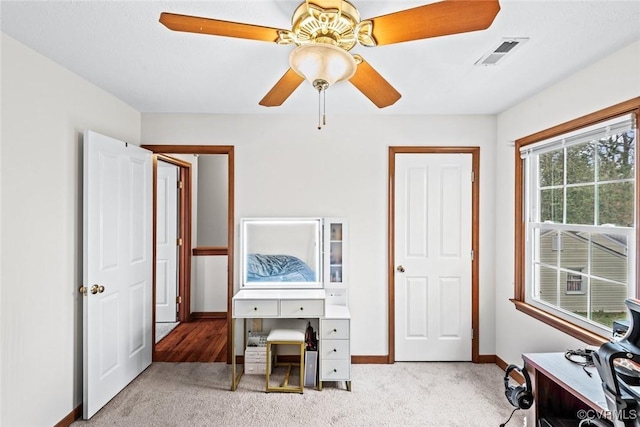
(433, 223)
(166, 242)
(117, 267)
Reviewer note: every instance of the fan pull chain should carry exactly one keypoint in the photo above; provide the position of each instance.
(324, 107)
(321, 86)
(319, 108)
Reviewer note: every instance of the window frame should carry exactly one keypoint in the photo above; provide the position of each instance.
(631, 106)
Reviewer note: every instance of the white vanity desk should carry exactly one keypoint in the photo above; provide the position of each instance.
(334, 336)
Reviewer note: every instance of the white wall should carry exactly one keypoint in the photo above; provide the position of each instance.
(209, 277)
(45, 108)
(603, 84)
(209, 284)
(284, 166)
(1, 250)
(213, 198)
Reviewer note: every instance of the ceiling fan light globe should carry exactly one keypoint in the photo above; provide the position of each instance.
(321, 61)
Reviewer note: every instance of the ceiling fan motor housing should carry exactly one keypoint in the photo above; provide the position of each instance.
(337, 26)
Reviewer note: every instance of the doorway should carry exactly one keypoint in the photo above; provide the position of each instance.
(172, 224)
(411, 171)
(169, 150)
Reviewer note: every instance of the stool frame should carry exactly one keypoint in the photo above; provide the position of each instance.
(285, 387)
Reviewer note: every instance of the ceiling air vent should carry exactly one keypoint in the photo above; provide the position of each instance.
(506, 46)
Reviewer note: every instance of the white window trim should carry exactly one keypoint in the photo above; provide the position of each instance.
(529, 153)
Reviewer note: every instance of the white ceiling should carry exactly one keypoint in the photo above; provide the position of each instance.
(121, 47)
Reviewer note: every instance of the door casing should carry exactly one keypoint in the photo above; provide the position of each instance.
(186, 266)
(475, 218)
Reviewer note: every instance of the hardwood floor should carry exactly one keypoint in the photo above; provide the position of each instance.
(203, 340)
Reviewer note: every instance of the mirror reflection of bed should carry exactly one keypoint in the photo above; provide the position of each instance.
(281, 253)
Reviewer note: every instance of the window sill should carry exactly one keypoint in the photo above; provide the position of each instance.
(560, 324)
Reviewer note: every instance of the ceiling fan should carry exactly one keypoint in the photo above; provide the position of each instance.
(326, 30)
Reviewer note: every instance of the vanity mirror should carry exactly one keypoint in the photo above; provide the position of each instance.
(281, 253)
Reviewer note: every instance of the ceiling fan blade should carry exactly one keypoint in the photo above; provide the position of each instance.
(368, 81)
(434, 19)
(216, 27)
(282, 89)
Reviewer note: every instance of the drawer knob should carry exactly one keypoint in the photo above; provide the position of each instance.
(255, 308)
(335, 351)
(335, 370)
(335, 330)
(301, 308)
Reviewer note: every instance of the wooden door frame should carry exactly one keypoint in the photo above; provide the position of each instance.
(184, 231)
(206, 149)
(475, 222)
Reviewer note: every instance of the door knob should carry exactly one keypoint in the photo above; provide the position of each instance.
(97, 289)
(400, 268)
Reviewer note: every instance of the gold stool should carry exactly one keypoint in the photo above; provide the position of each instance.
(285, 337)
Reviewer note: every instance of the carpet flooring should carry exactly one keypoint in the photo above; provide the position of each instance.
(164, 329)
(439, 394)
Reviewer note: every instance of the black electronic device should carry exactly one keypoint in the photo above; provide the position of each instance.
(520, 396)
(620, 327)
(618, 365)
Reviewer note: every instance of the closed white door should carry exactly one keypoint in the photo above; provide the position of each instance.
(433, 223)
(166, 242)
(117, 267)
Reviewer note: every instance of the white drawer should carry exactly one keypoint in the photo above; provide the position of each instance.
(335, 370)
(334, 329)
(335, 349)
(255, 308)
(302, 308)
(255, 358)
(255, 368)
(256, 350)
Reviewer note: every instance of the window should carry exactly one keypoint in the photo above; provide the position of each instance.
(577, 197)
(574, 283)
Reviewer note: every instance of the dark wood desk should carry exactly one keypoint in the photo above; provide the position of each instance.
(562, 389)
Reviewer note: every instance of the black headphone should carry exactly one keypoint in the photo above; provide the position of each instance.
(521, 396)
